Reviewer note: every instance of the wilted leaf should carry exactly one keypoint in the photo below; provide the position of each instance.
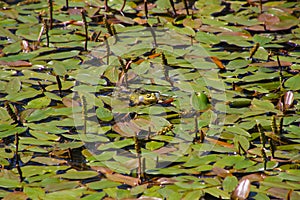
(269, 19)
(16, 195)
(242, 191)
(19, 63)
(123, 179)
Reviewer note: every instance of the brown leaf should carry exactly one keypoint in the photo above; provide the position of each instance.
(103, 170)
(140, 21)
(19, 63)
(221, 172)
(164, 150)
(74, 11)
(123, 179)
(278, 192)
(231, 33)
(268, 19)
(254, 177)
(68, 102)
(16, 195)
(225, 144)
(165, 181)
(242, 190)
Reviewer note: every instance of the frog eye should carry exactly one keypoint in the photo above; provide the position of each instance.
(148, 95)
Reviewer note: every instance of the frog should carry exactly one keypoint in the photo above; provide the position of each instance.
(149, 98)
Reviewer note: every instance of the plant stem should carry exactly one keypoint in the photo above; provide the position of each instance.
(59, 85)
(186, 7)
(18, 157)
(85, 28)
(123, 6)
(46, 27)
(146, 8)
(107, 50)
(50, 4)
(173, 7)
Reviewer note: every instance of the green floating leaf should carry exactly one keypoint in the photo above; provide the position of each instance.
(117, 144)
(70, 145)
(207, 38)
(30, 170)
(50, 128)
(104, 114)
(237, 130)
(12, 48)
(293, 83)
(48, 161)
(96, 195)
(229, 183)
(154, 145)
(196, 194)
(29, 32)
(191, 186)
(74, 174)
(19, 96)
(241, 142)
(99, 185)
(33, 141)
(229, 161)
(117, 167)
(237, 64)
(44, 135)
(34, 192)
(260, 166)
(69, 194)
(217, 192)
(9, 183)
(40, 114)
(12, 131)
(262, 105)
(259, 76)
(197, 161)
(262, 40)
(41, 102)
(59, 55)
(13, 86)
